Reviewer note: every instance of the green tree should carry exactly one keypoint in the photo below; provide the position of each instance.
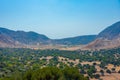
(108, 71)
(102, 72)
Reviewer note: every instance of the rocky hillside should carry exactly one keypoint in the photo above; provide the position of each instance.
(108, 38)
(112, 32)
(17, 38)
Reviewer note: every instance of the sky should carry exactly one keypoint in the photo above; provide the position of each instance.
(59, 18)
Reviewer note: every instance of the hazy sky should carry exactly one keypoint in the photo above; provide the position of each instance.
(59, 18)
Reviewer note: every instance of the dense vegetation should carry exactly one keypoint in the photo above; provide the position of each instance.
(29, 64)
(48, 73)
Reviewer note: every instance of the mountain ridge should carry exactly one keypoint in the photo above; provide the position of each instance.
(23, 37)
(78, 40)
(16, 38)
(108, 38)
(112, 31)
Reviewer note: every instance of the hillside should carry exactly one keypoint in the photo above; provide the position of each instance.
(28, 38)
(10, 38)
(108, 38)
(79, 40)
(111, 32)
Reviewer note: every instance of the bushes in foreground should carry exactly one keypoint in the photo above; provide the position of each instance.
(48, 73)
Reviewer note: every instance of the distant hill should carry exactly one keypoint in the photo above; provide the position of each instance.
(108, 38)
(28, 38)
(10, 38)
(111, 32)
(79, 40)
(6, 41)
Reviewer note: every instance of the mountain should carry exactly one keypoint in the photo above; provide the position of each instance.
(111, 32)
(79, 40)
(10, 38)
(108, 38)
(5, 41)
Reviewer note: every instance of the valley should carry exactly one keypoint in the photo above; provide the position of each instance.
(106, 39)
(59, 39)
(102, 64)
(33, 56)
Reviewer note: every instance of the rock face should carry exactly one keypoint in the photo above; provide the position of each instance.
(108, 38)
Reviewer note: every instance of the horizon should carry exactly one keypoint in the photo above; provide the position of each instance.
(58, 18)
(48, 36)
